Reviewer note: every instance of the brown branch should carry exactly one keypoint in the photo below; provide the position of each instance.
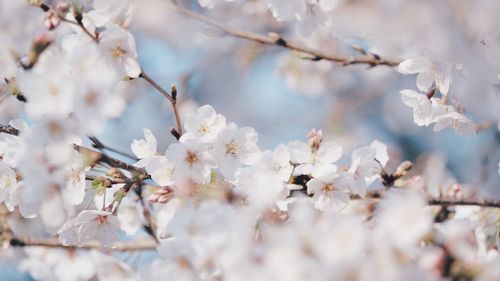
(171, 98)
(443, 201)
(94, 37)
(492, 203)
(369, 59)
(139, 245)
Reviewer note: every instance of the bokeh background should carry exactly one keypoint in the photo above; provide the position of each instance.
(284, 96)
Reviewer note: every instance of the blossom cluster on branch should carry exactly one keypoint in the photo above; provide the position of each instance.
(215, 205)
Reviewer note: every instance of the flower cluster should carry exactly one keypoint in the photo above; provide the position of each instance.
(428, 109)
(214, 204)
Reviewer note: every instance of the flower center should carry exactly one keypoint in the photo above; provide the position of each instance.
(91, 98)
(100, 219)
(203, 130)
(53, 90)
(233, 149)
(327, 188)
(118, 52)
(191, 158)
(5, 182)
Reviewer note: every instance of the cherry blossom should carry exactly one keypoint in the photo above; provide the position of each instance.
(145, 147)
(204, 125)
(429, 73)
(327, 194)
(235, 146)
(191, 160)
(257, 200)
(316, 162)
(90, 225)
(119, 46)
(421, 105)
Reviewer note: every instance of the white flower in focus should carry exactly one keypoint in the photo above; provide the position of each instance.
(316, 163)
(277, 162)
(421, 105)
(457, 121)
(429, 73)
(368, 161)
(90, 225)
(119, 46)
(235, 146)
(160, 169)
(191, 160)
(204, 125)
(144, 147)
(327, 194)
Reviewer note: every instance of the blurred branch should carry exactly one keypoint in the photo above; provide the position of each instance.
(369, 59)
(465, 202)
(96, 156)
(139, 245)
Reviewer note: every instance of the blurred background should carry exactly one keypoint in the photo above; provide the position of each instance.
(283, 95)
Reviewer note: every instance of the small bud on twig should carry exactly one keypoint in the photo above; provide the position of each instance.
(175, 133)
(39, 45)
(173, 92)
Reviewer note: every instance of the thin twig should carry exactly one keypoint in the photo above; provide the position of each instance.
(94, 37)
(369, 59)
(96, 143)
(171, 99)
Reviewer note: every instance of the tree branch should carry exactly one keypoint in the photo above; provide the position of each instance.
(171, 98)
(139, 245)
(369, 59)
(492, 203)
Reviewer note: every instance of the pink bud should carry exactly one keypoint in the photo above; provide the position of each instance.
(51, 20)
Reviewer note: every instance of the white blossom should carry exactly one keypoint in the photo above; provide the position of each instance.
(204, 125)
(235, 146)
(315, 162)
(191, 160)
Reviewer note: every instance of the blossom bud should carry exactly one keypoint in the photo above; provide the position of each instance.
(162, 195)
(175, 133)
(115, 173)
(39, 45)
(173, 92)
(62, 7)
(315, 137)
(403, 169)
(455, 191)
(51, 20)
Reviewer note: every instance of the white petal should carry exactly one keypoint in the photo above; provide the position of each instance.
(412, 66)
(329, 152)
(300, 152)
(425, 80)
